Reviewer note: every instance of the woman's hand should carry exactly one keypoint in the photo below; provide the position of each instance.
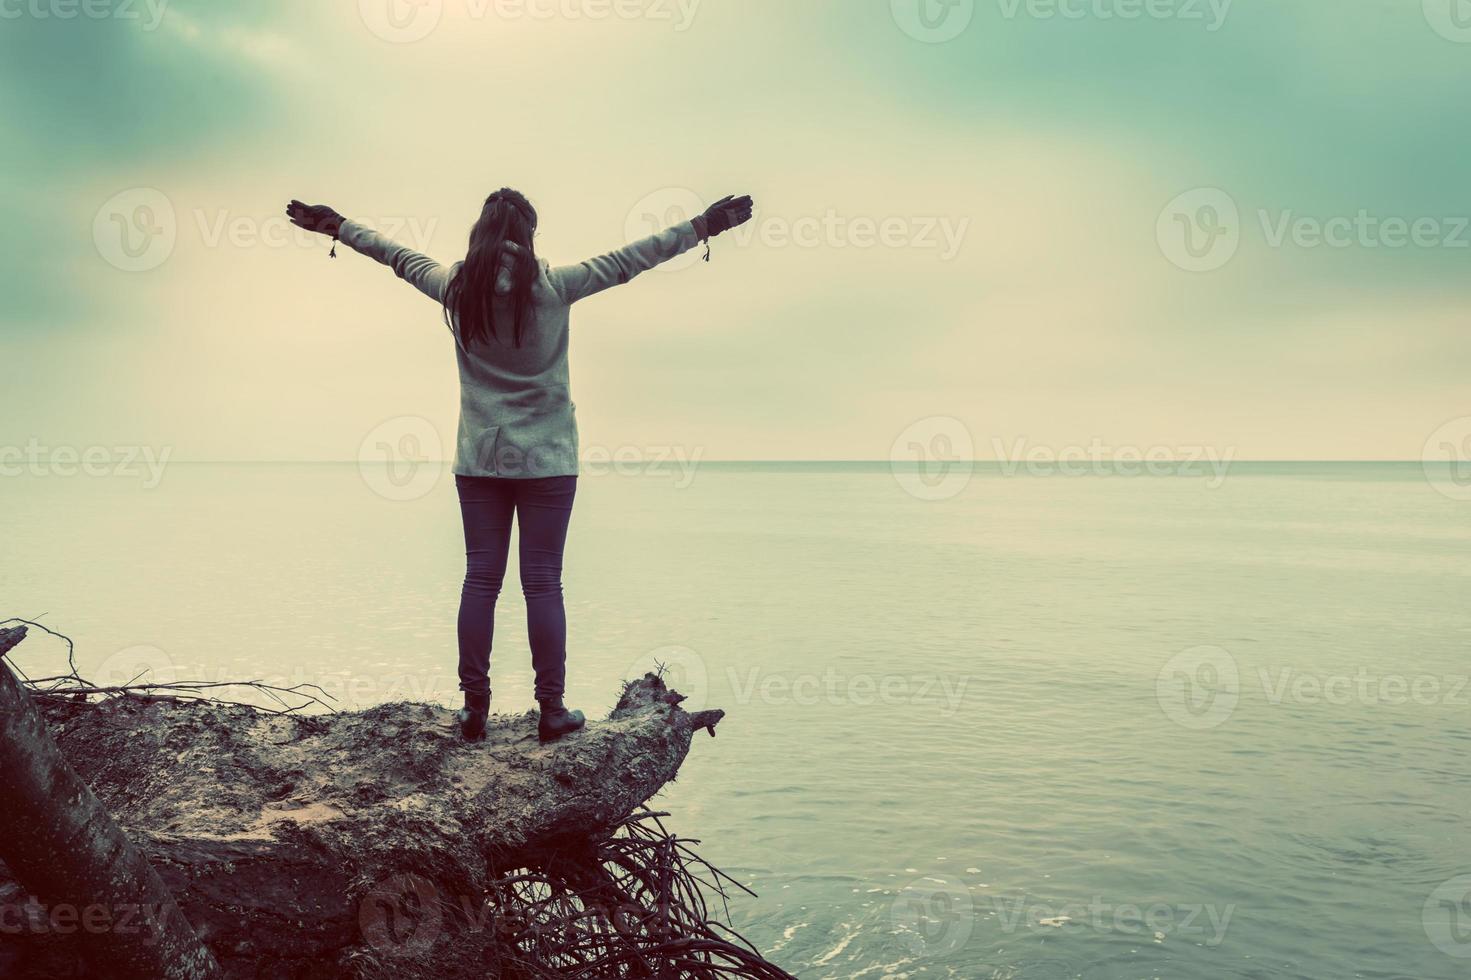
(725, 214)
(315, 217)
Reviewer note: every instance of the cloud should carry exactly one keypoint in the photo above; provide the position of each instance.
(1054, 144)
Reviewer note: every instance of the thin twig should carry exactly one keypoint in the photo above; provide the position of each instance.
(73, 685)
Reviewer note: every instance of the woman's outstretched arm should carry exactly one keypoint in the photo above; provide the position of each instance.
(576, 282)
(420, 271)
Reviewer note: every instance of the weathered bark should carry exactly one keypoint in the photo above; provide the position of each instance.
(64, 848)
(361, 843)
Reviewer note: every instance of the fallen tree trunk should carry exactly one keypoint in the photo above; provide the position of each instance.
(65, 849)
(361, 843)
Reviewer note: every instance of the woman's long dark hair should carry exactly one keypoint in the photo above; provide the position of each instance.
(500, 265)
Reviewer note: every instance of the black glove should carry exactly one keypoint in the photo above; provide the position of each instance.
(315, 217)
(727, 213)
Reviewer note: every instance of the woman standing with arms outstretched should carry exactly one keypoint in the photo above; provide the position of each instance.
(517, 452)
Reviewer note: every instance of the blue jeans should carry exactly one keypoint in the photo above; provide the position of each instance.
(542, 509)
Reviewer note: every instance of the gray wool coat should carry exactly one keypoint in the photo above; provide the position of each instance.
(517, 419)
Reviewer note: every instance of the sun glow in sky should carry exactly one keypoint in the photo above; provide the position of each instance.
(1229, 225)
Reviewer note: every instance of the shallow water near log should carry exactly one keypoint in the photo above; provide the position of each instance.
(1097, 727)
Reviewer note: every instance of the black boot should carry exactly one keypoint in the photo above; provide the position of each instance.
(557, 721)
(472, 716)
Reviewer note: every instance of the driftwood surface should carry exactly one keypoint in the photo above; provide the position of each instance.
(275, 832)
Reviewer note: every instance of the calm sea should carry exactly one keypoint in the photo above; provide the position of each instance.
(1049, 727)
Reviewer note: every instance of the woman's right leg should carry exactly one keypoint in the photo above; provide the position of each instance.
(486, 507)
(543, 511)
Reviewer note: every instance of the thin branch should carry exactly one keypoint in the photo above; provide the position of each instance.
(72, 684)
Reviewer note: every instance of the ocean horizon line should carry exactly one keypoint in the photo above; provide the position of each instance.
(884, 463)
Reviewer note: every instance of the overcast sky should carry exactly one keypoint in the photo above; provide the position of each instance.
(1057, 223)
